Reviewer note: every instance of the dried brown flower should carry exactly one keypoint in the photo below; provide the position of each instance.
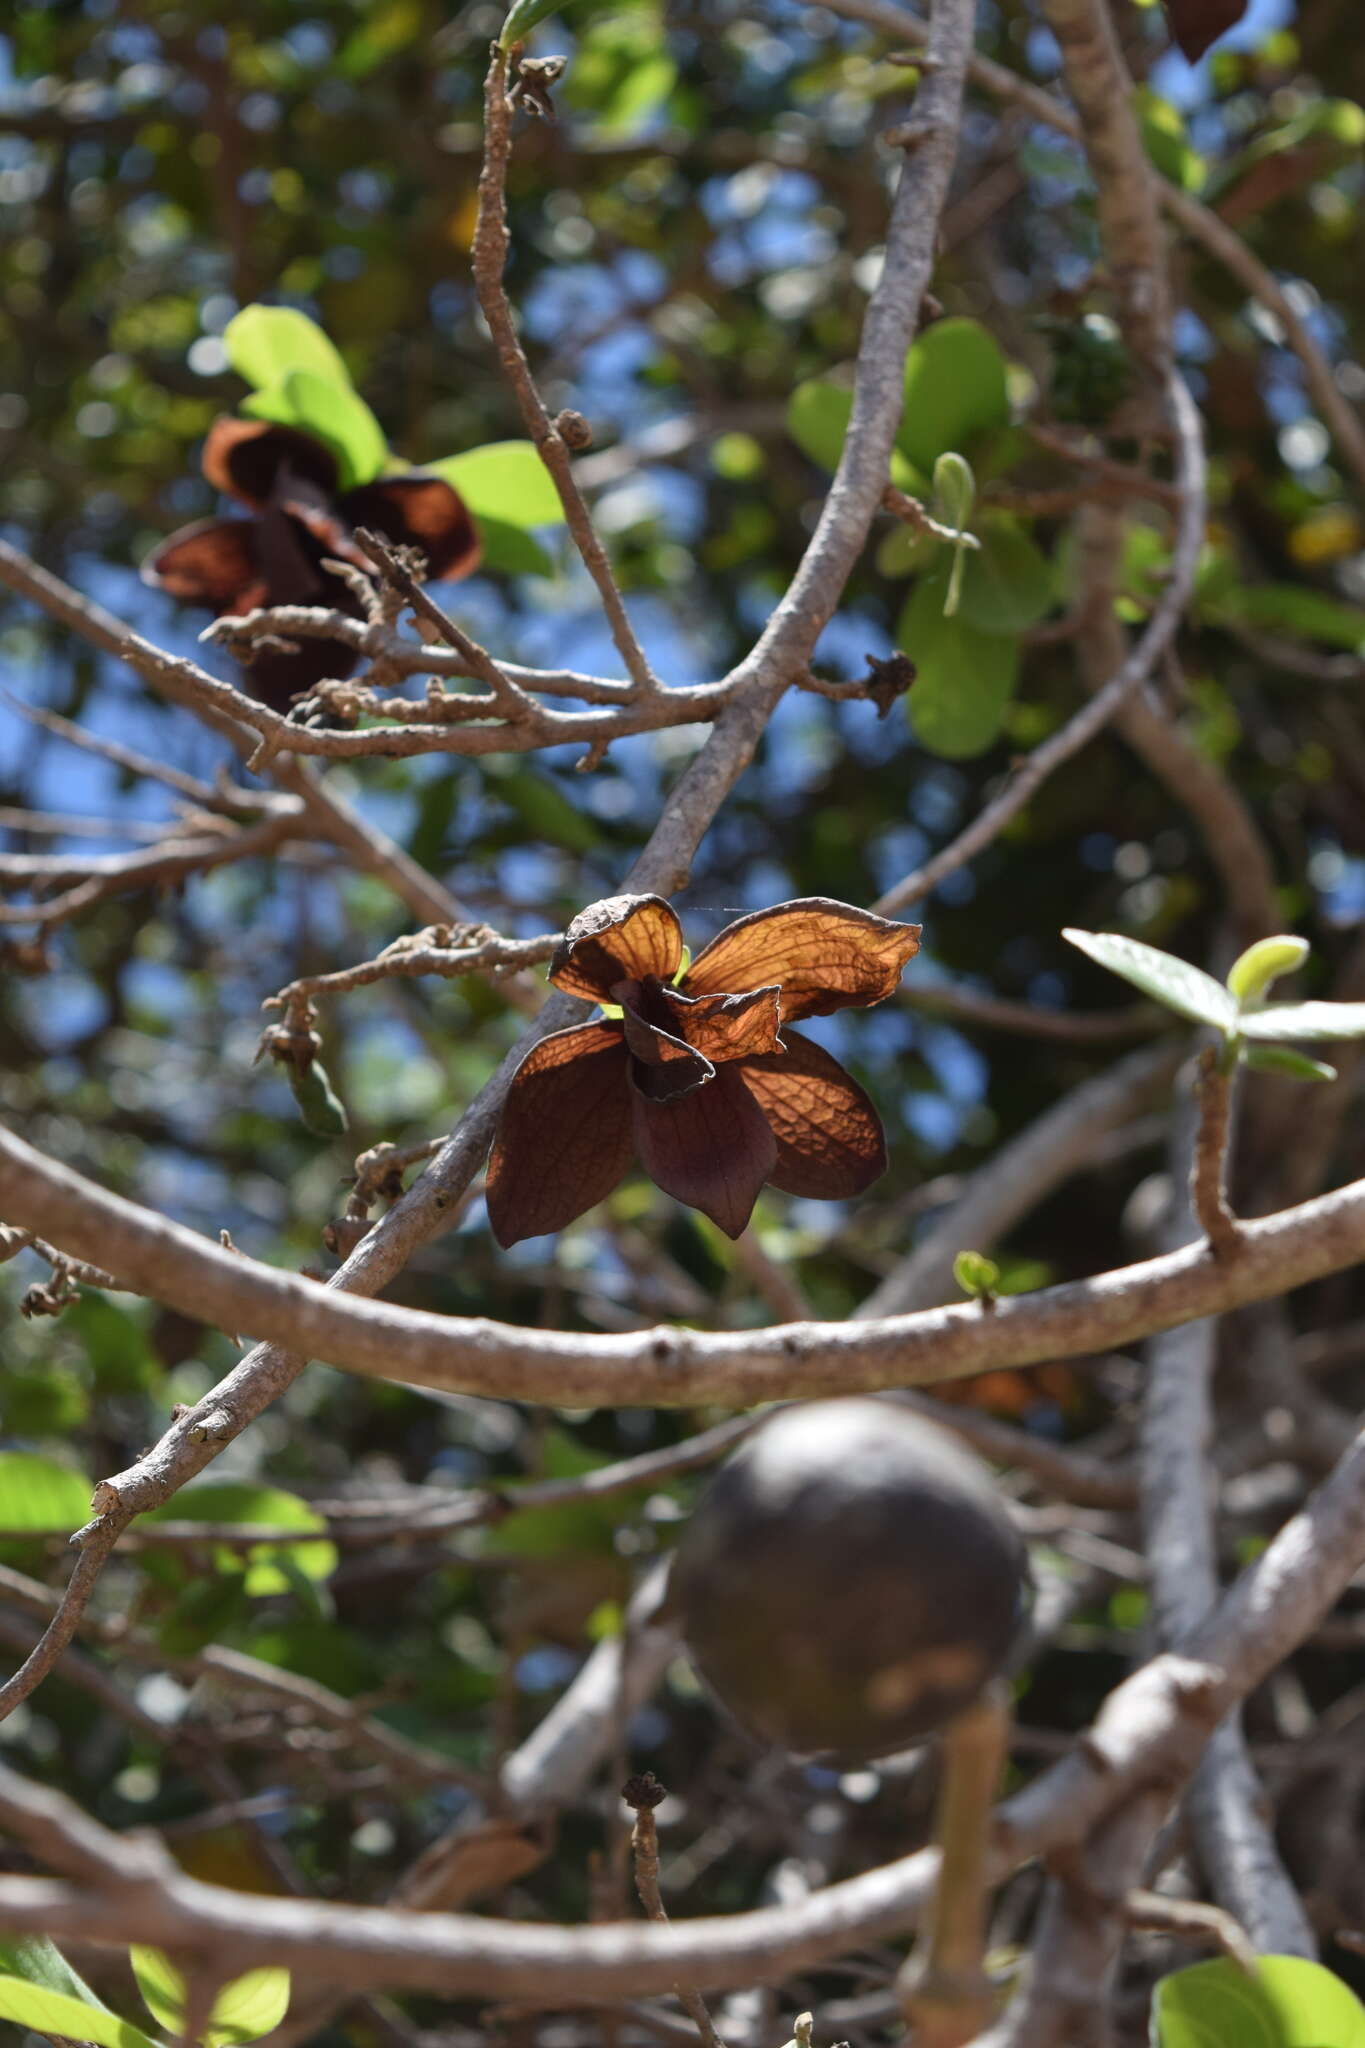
(700, 1079)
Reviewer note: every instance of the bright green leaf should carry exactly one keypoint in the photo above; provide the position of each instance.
(1252, 972)
(72, 2019)
(1185, 989)
(335, 414)
(976, 1275)
(954, 490)
(505, 480)
(955, 387)
(264, 343)
(818, 414)
(39, 1961)
(237, 1500)
(964, 678)
(1305, 1020)
(1278, 1059)
(1289, 2003)
(243, 2010)
(41, 1495)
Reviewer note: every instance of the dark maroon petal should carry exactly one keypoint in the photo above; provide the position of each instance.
(829, 1137)
(622, 938)
(712, 1149)
(824, 955)
(727, 1027)
(663, 1067)
(564, 1137)
(419, 512)
(245, 458)
(1197, 23)
(211, 563)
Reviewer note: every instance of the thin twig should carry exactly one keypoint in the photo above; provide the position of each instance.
(643, 1794)
(1208, 1170)
(489, 255)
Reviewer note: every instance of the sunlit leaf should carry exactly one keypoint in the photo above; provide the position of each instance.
(264, 343)
(1289, 2003)
(41, 1495)
(57, 2014)
(506, 480)
(1007, 582)
(243, 2010)
(1252, 972)
(335, 413)
(1185, 989)
(1305, 1020)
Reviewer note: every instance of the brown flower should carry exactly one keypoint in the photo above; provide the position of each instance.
(288, 480)
(700, 1079)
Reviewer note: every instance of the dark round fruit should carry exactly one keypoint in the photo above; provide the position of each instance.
(850, 1580)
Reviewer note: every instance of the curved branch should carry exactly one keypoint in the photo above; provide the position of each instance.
(668, 1367)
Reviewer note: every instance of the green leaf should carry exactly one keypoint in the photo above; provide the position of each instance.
(955, 387)
(1305, 1020)
(237, 1500)
(505, 480)
(954, 490)
(1007, 582)
(818, 414)
(1289, 2003)
(1290, 608)
(39, 1961)
(964, 678)
(523, 18)
(41, 1495)
(1252, 972)
(243, 2010)
(622, 71)
(1166, 142)
(976, 1275)
(511, 550)
(544, 810)
(320, 1107)
(334, 413)
(71, 2019)
(1278, 1059)
(1185, 989)
(264, 343)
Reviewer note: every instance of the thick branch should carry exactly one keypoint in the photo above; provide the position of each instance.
(663, 1367)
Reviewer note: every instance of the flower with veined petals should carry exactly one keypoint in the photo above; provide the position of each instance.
(700, 1079)
(288, 479)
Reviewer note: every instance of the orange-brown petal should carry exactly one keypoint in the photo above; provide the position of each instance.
(712, 1149)
(212, 562)
(622, 938)
(244, 458)
(829, 1137)
(825, 956)
(664, 1067)
(727, 1027)
(420, 512)
(564, 1137)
